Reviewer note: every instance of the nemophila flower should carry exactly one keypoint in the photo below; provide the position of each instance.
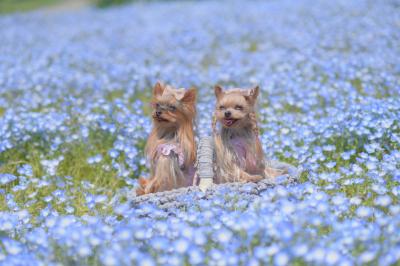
(84, 251)
(113, 153)
(11, 246)
(181, 245)
(51, 165)
(26, 170)
(7, 222)
(59, 195)
(69, 209)
(109, 258)
(94, 159)
(357, 169)
(94, 241)
(299, 250)
(146, 261)
(100, 198)
(357, 181)
(345, 155)
(19, 188)
(196, 256)
(7, 178)
(330, 165)
(200, 237)
(396, 190)
(160, 243)
(364, 212)
(48, 198)
(367, 256)
(252, 262)
(281, 258)
(281, 179)
(123, 234)
(339, 200)
(379, 189)
(223, 236)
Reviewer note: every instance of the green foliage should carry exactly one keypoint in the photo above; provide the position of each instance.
(9, 6)
(107, 3)
(74, 164)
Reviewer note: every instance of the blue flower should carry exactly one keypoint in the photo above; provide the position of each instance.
(7, 178)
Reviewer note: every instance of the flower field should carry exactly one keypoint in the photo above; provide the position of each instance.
(74, 118)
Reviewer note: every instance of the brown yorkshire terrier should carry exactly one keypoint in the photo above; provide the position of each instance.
(239, 154)
(170, 147)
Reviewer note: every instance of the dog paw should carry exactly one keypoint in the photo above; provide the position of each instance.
(140, 191)
(143, 184)
(205, 183)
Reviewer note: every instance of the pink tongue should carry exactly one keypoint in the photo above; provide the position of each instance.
(229, 122)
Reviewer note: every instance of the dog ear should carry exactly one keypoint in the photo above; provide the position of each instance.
(252, 94)
(189, 96)
(218, 91)
(158, 88)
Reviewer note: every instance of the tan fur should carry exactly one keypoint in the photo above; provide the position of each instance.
(174, 125)
(241, 104)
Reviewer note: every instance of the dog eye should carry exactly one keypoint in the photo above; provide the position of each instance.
(238, 107)
(157, 105)
(221, 107)
(171, 108)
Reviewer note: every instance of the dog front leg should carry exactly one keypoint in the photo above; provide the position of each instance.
(167, 175)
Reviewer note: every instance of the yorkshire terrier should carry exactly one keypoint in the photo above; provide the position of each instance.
(238, 151)
(171, 147)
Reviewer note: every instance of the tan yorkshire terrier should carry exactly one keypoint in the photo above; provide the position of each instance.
(170, 147)
(238, 150)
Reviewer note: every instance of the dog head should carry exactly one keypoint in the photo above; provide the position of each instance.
(234, 106)
(172, 107)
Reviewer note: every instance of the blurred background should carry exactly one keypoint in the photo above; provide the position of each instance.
(12, 6)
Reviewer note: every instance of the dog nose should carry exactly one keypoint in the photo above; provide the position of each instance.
(158, 113)
(227, 114)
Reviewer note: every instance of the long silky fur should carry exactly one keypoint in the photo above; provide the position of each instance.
(226, 167)
(165, 171)
(167, 176)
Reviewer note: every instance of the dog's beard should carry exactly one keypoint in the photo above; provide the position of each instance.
(167, 131)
